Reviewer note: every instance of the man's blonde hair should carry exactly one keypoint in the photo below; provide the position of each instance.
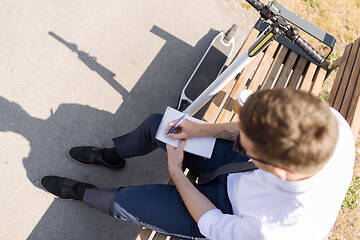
(290, 129)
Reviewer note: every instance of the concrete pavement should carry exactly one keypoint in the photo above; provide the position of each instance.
(80, 73)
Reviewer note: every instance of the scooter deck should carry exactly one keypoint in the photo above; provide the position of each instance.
(209, 67)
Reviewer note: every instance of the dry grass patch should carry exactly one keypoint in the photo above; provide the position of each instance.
(341, 19)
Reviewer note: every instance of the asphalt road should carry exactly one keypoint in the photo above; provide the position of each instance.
(83, 72)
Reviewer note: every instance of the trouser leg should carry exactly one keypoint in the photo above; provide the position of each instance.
(100, 198)
(157, 207)
(140, 141)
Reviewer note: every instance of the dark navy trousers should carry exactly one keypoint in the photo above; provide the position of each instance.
(158, 206)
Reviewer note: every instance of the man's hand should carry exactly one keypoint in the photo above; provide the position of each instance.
(186, 129)
(175, 156)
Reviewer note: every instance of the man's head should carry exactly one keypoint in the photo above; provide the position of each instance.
(290, 129)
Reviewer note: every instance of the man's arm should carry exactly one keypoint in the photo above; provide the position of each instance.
(228, 131)
(196, 203)
(189, 129)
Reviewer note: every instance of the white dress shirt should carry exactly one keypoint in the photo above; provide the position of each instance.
(266, 207)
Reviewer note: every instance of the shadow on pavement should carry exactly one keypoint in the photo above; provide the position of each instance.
(74, 124)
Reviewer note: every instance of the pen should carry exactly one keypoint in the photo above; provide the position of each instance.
(177, 124)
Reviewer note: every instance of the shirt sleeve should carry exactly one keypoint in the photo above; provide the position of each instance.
(216, 225)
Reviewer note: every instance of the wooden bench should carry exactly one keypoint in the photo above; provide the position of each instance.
(282, 64)
(277, 66)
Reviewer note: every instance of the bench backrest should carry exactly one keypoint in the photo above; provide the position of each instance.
(344, 95)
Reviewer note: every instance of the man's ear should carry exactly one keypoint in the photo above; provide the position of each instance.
(280, 172)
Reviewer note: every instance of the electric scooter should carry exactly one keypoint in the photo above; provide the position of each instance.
(278, 16)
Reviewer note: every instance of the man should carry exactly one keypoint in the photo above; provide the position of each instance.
(304, 152)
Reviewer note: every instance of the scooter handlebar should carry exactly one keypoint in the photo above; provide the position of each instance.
(295, 38)
(309, 50)
(256, 4)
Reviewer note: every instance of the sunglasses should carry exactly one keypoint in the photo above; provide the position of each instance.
(239, 149)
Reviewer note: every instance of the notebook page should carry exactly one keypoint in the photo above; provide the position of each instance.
(202, 146)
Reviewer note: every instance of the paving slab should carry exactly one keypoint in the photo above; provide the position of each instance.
(83, 72)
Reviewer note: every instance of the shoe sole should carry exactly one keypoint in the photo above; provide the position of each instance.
(57, 197)
(94, 165)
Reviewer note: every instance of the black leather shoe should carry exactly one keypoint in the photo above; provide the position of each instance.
(63, 188)
(91, 156)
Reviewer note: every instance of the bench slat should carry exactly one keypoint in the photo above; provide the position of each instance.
(340, 74)
(307, 81)
(225, 113)
(285, 73)
(318, 81)
(212, 112)
(159, 236)
(295, 78)
(275, 67)
(144, 234)
(263, 67)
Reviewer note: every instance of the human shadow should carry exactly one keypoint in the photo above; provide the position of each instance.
(75, 124)
(92, 63)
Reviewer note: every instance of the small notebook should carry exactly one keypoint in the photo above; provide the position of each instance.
(202, 146)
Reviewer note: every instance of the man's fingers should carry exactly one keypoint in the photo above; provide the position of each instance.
(171, 124)
(169, 127)
(175, 136)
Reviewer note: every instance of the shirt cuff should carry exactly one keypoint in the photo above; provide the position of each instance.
(205, 220)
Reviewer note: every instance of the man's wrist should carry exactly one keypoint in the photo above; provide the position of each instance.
(175, 170)
(205, 130)
(177, 175)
